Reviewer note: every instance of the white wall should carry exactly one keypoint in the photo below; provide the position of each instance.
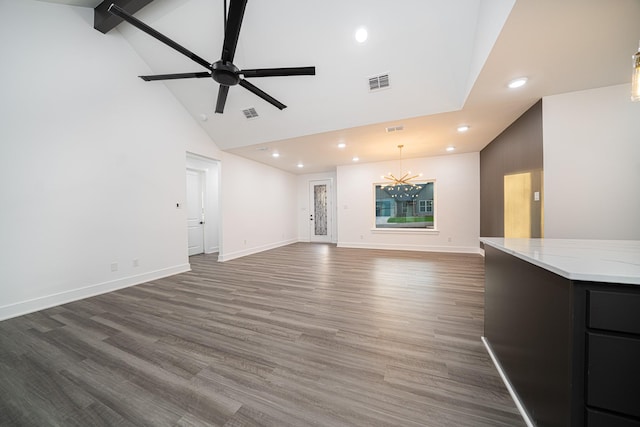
(592, 164)
(259, 207)
(304, 228)
(92, 161)
(457, 205)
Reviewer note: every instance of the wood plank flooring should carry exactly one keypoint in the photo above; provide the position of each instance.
(303, 335)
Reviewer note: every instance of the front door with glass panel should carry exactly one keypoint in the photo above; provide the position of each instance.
(320, 210)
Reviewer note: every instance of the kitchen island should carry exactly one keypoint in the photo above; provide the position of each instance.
(562, 323)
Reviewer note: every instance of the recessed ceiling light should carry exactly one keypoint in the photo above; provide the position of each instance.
(300, 165)
(463, 128)
(451, 148)
(517, 82)
(361, 35)
(355, 159)
(342, 145)
(276, 154)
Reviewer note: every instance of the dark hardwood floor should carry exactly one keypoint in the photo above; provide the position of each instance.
(303, 335)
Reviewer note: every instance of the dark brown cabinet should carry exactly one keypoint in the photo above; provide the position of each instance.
(613, 355)
(570, 348)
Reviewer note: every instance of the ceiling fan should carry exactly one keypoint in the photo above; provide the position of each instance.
(222, 71)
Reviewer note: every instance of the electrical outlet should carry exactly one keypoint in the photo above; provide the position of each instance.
(114, 266)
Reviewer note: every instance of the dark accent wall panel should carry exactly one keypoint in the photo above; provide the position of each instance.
(517, 149)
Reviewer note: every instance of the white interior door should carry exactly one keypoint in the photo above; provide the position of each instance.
(195, 211)
(320, 211)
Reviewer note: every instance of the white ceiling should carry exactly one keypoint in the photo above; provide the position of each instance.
(449, 63)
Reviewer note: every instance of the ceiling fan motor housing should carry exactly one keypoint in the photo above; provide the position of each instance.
(225, 73)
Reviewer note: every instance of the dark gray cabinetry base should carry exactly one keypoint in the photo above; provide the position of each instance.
(571, 349)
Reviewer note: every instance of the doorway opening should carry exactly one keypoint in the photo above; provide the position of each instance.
(203, 204)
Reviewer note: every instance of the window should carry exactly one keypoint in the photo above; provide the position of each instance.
(425, 206)
(405, 206)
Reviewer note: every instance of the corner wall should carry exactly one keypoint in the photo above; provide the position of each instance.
(259, 207)
(592, 164)
(92, 162)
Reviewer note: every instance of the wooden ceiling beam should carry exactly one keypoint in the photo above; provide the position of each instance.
(104, 21)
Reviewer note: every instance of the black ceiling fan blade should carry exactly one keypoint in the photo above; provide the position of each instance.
(118, 11)
(222, 98)
(271, 100)
(276, 72)
(198, 75)
(232, 30)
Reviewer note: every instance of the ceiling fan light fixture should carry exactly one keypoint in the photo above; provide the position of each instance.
(635, 78)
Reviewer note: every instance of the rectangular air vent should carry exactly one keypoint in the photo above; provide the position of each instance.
(395, 128)
(379, 82)
(250, 113)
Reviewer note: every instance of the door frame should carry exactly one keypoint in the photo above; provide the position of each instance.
(211, 169)
(202, 187)
(330, 211)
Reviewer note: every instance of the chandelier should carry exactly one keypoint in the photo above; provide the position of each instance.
(402, 179)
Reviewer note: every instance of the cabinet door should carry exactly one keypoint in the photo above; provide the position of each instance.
(613, 373)
(614, 311)
(602, 419)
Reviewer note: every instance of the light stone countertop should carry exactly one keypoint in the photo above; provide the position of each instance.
(612, 261)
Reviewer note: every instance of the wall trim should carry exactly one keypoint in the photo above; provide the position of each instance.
(36, 304)
(255, 250)
(514, 395)
(417, 248)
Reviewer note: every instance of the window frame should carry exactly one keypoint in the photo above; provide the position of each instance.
(406, 229)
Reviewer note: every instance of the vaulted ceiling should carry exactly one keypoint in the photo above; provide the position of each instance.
(448, 61)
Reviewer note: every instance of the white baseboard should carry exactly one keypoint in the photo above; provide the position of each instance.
(254, 250)
(505, 379)
(48, 301)
(418, 248)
